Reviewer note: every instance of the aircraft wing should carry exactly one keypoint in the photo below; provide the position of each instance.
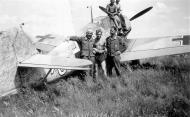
(55, 62)
(49, 42)
(154, 47)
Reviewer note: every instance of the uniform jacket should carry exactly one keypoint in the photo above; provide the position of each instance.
(114, 45)
(86, 45)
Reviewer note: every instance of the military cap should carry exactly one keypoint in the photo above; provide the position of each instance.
(89, 32)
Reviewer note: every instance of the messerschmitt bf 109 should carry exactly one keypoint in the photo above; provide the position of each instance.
(21, 61)
(137, 48)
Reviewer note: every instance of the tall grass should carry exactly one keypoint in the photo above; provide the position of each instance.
(159, 91)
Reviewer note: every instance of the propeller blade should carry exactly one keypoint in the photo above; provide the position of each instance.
(141, 13)
(103, 9)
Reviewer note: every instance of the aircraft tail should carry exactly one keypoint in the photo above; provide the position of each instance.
(15, 46)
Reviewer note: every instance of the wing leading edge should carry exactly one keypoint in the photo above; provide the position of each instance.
(56, 62)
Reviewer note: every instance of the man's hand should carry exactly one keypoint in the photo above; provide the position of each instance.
(94, 50)
(105, 50)
(111, 15)
(118, 53)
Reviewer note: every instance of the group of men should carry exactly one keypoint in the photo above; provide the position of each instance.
(105, 55)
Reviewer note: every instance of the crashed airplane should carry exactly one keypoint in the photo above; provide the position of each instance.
(25, 54)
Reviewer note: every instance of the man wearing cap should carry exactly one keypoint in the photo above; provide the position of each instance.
(113, 52)
(86, 46)
(100, 53)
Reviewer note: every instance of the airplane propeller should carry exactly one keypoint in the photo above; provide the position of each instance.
(141, 13)
(135, 16)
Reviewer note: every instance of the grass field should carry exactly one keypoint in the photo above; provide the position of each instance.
(160, 87)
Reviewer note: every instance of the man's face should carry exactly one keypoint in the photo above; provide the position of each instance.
(99, 35)
(112, 31)
(117, 1)
(89, 36)
(112, 1)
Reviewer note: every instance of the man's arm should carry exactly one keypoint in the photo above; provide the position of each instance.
(98, 51)
(104, 47)
(119, 9)
(122, 45)
(116, 12)
(106, 43)
(107, 9)
(75, 38)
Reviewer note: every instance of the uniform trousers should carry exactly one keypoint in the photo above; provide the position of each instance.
(92, 71)
(113, 62)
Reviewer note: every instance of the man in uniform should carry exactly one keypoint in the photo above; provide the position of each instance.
(112, 11)
(113, 43)
(86, 46)
(100, 53)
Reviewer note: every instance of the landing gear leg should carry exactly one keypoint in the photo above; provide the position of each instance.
(45, 78)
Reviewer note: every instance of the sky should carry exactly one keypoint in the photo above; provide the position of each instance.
(41, 17)
(67, 17)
